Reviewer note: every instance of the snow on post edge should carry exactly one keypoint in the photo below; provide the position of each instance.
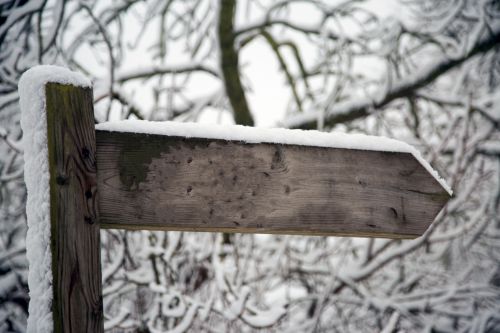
(36, 176)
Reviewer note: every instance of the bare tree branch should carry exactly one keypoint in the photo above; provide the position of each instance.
(229, 64)
(144, 73)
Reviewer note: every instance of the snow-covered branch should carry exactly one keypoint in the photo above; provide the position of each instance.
(355, 108)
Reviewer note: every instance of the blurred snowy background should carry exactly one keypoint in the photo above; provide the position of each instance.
(426, 72)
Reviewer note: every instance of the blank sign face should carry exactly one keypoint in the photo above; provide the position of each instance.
(175, 183)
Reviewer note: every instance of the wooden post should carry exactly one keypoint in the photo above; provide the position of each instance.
(75, 241)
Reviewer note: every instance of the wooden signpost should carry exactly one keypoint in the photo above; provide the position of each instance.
(139, 181)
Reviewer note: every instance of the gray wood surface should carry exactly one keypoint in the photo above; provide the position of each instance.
(172, 183)
(75, 242)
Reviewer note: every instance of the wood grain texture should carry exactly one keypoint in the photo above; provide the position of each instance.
(173, 183)
(75, 240)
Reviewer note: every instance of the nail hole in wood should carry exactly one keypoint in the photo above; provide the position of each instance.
(85, 152)
(62, 180)
(287, 189)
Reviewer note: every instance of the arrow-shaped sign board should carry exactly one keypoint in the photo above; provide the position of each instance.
(192, 177)
(172, 176)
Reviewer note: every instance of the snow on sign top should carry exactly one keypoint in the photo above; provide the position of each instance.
(271, 135)
(36, 175)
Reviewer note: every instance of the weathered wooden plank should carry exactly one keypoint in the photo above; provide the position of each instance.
(173, 183)
(75, 242)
